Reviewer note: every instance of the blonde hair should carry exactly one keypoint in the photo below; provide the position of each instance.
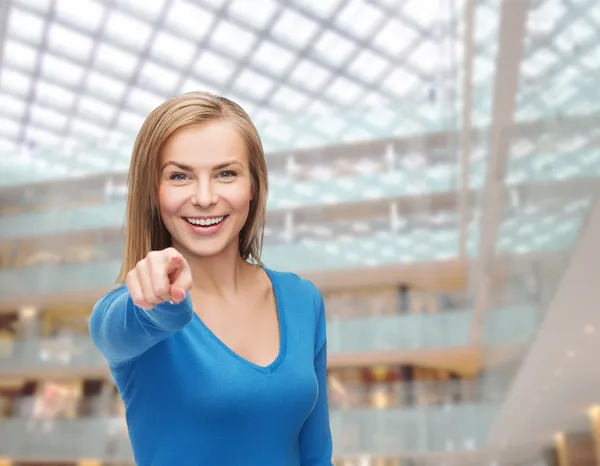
(144, 229)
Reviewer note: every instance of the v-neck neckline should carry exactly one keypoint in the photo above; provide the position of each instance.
(282, 331)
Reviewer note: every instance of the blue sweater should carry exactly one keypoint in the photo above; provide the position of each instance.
(192, 401)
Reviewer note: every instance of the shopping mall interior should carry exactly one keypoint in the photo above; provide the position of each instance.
(434, 169)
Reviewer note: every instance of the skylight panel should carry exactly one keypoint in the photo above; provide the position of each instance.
(41, 137)
(25, 26)
(54, 96)
(400, 82)
(359, 18)
(127, 30)
(14, 82)
(483, 70)
(64, 72)
(173, 50)
(295, 29)
(214, 67)
(85, 14)
(255, 14)
(273, 57)
(318, 107)
(67, 42)
(41, 6)
(189, 20)
(87, 130)
(567, 77)
(19, 56)
(322, 8)
(328, 125)
(233, 39)
(129, 121)
(334, 48)
(380, 117)
(368, 66)
(389, 3)
(192, 85)
(543, 18)
(559, 96)
(344, 91)
(278, 131)
(47, 117)
(288, 99)
(375, 99)
(309, 75)
(104, 86)
(115, 61)
(576, 33)
(486, 24)
(96, 109)
(143, 101)
(9, 128)
(424, 17)
(426, 56)
(538, 63)
(528, 112)
(158, 78)
(395, 37)
(11, 106)
(148, 9)
(591, 59)
(253, 84)
(215, 3)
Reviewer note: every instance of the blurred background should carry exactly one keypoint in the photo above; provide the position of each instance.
(434, 168)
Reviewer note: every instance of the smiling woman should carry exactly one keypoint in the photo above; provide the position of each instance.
(218, 359)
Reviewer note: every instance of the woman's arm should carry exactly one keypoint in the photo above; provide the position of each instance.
(122, 331)
(315, 436)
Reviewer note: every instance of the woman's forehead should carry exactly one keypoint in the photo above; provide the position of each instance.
(205, 145)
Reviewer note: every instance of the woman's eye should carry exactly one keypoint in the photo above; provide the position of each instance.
(178, 177)
(227, 174)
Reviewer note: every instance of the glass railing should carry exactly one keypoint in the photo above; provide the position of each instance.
(518, 235)
(347, 336)
(407, 332)
(456, 427)
(394, 394)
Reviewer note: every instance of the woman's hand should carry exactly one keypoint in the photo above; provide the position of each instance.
(161, 276)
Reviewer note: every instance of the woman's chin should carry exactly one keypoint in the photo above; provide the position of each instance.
(208, 247)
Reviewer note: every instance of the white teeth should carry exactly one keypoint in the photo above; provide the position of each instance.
(205, 221)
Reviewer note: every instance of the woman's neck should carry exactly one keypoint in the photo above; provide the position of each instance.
(222, 274)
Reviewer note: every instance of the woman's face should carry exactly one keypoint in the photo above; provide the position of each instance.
(205, 188)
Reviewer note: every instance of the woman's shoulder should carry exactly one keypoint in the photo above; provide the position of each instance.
(297, 291)
(291, 282)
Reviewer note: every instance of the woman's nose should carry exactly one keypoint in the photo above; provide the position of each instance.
(205, 195)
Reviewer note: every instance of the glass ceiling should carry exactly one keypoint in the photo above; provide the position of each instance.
(78, 78)
(309, 73)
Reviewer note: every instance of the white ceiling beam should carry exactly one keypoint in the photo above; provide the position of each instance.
(511, 38)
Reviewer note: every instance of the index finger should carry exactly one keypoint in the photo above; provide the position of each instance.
(174, 263)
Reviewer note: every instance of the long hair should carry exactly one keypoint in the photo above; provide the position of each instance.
(144, 229)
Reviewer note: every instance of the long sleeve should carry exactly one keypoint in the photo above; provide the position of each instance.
(122, 331)
(315, 436)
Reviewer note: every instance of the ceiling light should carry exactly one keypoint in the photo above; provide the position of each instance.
(570, 354)
(589, 330)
